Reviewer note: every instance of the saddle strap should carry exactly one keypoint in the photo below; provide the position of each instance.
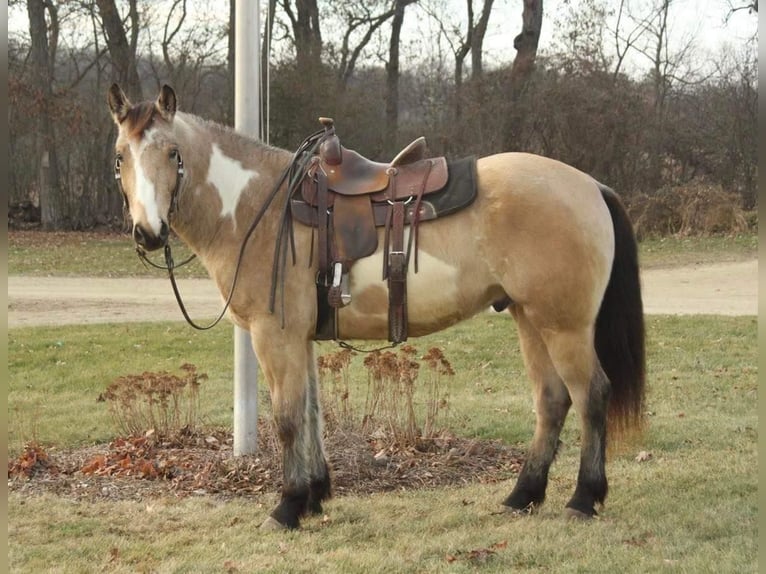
(322, 231)
(397, 277)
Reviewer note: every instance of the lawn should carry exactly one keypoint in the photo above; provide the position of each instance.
(691, 507)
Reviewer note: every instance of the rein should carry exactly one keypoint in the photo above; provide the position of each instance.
(295, 170)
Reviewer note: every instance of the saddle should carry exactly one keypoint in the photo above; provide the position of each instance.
(345, 197)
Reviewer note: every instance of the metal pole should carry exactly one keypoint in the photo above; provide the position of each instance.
(246, 120)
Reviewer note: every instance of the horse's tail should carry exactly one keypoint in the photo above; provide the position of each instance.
(619, 335)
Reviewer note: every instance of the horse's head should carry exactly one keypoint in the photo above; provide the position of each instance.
(147, 163)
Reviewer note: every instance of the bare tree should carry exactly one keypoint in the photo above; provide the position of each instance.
(43, 56)
(478, 32)
(360, 17)
(526, 43)
(170, 31)
(472, 41)
(122, 51)
(307, 35)
(392, 76)
(739, 6)
(523, 65)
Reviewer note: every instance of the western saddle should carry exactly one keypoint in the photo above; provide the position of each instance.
(346, 197)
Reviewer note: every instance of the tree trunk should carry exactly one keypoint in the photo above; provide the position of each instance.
(308, 36)
(51, 198)
(523, 65)
(123, 54)
(526, 44)
(392, 80)
(477, 41)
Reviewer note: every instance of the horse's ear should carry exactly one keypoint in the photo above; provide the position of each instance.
(167, 102)
(119, 104)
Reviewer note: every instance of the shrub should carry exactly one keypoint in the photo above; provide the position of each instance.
(696, 208)
(160, 402)
(399, 407)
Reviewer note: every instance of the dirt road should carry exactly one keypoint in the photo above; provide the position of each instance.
(721, 288)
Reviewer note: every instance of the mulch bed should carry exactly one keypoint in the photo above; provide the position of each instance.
(202, 464)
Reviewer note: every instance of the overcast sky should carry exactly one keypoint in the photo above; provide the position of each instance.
(704, 19)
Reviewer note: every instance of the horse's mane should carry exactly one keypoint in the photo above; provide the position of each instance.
(228, 132)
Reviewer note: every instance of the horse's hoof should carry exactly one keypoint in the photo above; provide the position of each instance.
(574, 514)
(272, 524)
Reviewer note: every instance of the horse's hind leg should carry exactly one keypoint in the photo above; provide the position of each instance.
(320, 487)
(551, 406)
(574, 357)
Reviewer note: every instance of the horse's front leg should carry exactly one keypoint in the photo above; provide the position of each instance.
(320, 487)
(284, 359)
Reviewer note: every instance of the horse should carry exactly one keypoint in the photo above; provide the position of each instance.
(551, 242)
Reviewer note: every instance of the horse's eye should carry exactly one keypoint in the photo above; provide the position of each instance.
(173, 154)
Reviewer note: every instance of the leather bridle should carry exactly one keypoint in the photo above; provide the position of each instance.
(294, 172)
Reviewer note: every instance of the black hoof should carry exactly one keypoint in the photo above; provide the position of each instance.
(319, 490)
(581, 509)
(290, 509)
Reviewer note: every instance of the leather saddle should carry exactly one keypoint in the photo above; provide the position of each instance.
(346, 197)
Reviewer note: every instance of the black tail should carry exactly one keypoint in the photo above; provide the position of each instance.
(620, 324)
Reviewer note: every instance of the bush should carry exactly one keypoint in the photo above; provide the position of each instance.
(399, 408)
(693, 209)
(159, 403)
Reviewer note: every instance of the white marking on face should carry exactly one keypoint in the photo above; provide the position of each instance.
(146, 194)
(230, 178)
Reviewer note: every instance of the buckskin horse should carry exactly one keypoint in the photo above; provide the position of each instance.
(540, 238)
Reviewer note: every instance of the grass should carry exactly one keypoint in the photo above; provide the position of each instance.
(73, 254)
(690, 508)
(676, 251)
(113, 255)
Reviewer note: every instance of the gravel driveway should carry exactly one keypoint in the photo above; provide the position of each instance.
(721, 288)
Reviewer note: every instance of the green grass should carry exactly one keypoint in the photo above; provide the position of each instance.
(63, 254)
(113, 255)
(675, 251)
(690, 508)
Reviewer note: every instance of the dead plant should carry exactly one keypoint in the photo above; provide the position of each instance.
(158, 402)
(398, 410)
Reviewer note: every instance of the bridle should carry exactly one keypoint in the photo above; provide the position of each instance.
(176, 188)
(294, 172)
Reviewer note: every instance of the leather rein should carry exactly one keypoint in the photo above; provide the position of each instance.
(294, 172)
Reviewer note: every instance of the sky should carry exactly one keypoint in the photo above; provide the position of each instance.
(704, 19)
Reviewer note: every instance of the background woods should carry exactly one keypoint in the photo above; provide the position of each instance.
(616, 88)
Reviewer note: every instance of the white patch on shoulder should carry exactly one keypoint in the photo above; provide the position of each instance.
(146, 194)
(230, 178)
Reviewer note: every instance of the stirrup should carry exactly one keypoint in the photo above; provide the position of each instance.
(339, 294)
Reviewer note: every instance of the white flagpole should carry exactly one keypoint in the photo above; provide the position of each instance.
(246, 120)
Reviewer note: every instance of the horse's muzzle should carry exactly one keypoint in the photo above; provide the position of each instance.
(149, 240)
